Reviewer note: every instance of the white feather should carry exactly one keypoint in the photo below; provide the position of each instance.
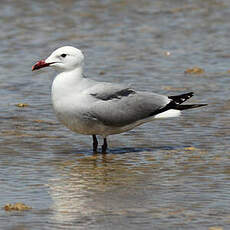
(169, 113)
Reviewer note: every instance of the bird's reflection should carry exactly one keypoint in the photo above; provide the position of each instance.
(81, 180)
(84, 183)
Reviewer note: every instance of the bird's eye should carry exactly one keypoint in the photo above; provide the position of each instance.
(63, 55)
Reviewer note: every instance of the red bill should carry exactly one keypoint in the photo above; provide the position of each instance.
(40, 64)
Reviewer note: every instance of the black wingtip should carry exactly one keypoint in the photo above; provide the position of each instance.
(184, 107)
(176, 102)
(179, 99)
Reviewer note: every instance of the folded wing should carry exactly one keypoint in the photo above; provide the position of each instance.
(119, 106)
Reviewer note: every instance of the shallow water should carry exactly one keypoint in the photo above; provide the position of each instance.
(168, 174)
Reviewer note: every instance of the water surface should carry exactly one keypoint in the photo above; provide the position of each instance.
(168, 174)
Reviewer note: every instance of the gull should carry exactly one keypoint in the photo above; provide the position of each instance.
(96, 108)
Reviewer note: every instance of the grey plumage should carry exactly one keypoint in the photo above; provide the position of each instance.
(124, 105)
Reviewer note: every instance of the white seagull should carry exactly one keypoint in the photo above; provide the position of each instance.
(95, 108)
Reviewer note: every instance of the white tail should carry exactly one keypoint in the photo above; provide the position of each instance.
(169, 113)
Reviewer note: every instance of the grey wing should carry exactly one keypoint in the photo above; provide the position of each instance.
(121, 106)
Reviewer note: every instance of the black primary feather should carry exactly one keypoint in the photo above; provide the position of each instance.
(176, 102)
(184, 107)
(179, 99)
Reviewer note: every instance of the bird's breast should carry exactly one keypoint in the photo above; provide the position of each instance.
(72, 113)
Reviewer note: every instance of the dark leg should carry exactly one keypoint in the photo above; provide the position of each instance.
(104, 146)
(95, 143)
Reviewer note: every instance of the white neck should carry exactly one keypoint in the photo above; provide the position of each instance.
(66, 82)
(72, 74)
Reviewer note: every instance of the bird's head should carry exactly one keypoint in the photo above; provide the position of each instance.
(66, 58)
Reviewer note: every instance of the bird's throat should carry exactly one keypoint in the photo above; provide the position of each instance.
(66, 83)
